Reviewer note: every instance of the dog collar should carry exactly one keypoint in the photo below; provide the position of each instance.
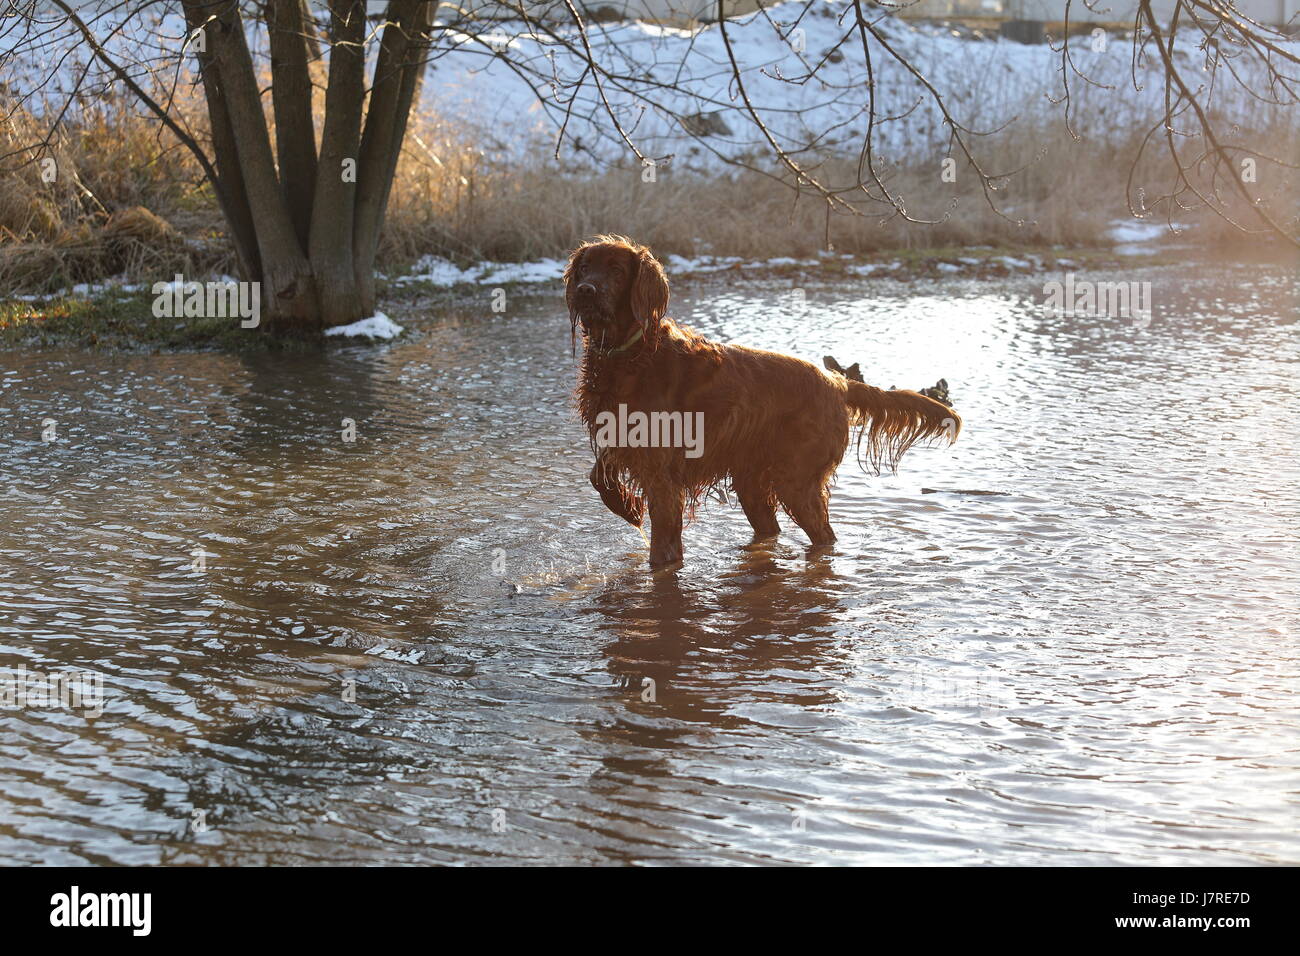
(636, 337)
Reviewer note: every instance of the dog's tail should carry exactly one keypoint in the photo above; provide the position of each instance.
(895, 420)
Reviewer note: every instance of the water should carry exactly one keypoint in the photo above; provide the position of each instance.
(433, 644)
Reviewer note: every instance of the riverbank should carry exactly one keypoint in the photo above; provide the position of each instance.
(119, 315)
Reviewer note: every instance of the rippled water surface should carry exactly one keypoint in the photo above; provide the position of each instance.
(433, 644)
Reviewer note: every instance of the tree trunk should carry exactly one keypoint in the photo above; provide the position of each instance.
(307, 227)
(330, 248)
(288, 292)
(309, 30)
(230, 191)
(400, 62)
(295, 133)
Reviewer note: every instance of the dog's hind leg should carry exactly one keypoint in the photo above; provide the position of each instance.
(807, 506)
(760, 509)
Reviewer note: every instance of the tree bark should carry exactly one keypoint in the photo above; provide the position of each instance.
(397, 69)
(408, 95)
(309, 30)
(288, 291)
(231, 194)
(291, 93)
(330, 248)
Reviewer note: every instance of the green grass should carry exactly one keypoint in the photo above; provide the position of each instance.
(112, 319)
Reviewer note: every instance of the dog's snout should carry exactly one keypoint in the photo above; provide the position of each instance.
(586, 288)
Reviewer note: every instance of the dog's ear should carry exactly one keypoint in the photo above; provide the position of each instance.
(649, 292)
(570, 273)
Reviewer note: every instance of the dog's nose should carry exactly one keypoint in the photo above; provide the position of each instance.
(586, 288)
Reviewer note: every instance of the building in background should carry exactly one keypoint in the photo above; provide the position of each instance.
(1275, 12)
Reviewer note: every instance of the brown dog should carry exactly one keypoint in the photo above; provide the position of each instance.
(673, 415)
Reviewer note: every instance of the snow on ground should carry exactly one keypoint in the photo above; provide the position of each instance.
(700, 264)
(113, 284)
(676, 97)
(543, 270)
(868, 268)
(1138, 237)
(441, 273)
(1136, 230)
(437, 271)
(378, 326)
(673, 91)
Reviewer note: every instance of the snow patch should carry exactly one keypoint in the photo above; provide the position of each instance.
(787, 261)
(543, 270)
(378, 326)
(442, 272)
(436, 271)
(868, 268)
(700, 264)
(1140, 230)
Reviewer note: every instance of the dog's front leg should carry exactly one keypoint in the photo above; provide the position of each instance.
(666, 506)
(618, 498)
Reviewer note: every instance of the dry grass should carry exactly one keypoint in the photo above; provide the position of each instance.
(128, 200)
(464, 205)
(124, 198)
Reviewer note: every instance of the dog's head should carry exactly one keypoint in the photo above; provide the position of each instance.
(613, 285)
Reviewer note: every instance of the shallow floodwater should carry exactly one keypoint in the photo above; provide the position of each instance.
(432, 644)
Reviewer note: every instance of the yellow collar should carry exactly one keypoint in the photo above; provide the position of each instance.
(636, 337)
